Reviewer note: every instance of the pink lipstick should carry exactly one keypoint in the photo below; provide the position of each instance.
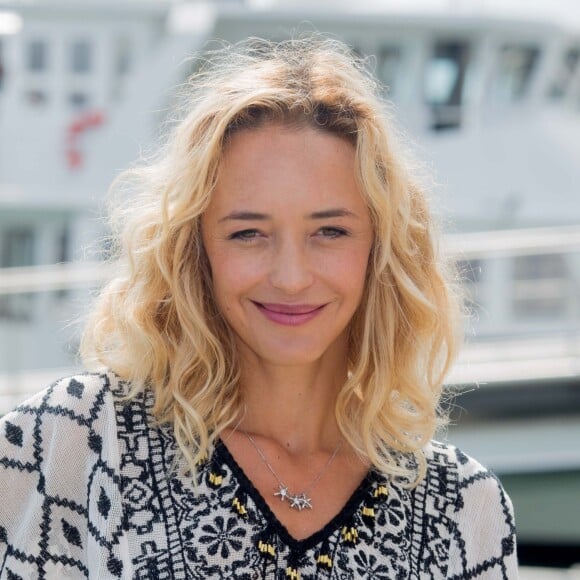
(289, 314)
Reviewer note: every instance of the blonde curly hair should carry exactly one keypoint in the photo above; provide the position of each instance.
(156, 323)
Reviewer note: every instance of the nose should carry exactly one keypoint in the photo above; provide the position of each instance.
(290, 268)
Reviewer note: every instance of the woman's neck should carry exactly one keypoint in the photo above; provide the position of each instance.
(293, 406)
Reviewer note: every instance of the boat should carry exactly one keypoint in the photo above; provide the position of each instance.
(492, 103)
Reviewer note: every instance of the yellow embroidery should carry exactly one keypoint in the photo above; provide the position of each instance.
(368, 511)
(239, 507)
(349, 534)
(266, 548)
(324, 559)
(292, 573)
(382, 490)
(215, 479)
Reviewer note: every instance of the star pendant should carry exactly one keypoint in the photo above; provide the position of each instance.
(282, 493)
(300, 502)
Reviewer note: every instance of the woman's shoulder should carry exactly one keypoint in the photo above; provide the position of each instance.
(59, 478)
(455, 465)
(463, 476)
(440, 454)
(75, 413)
(69, 391)
(81, 395)
(469, 496)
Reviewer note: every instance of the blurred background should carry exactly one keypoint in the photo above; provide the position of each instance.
(488, 91)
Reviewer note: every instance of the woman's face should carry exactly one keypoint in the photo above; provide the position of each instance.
(288, 237)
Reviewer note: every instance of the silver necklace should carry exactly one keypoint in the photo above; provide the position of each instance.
(297, 501)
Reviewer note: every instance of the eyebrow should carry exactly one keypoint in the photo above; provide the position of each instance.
(255, 216)
(244, 215)
(331, 213)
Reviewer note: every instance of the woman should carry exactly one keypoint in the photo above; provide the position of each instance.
(271, 357)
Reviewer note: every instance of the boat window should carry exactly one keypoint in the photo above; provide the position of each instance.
(444, 81)
(388, 65)
(122, 56)
(80, 57)
(35, 98)
(542, 286)
(122, 62)
(78, 100)
(514, 72)
(1, 64)
(566, 72)
(37, 55)
(16, 250)
(63, 244)
(63, 240)
(16, 247)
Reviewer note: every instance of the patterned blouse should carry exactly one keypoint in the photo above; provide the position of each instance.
(88, 488)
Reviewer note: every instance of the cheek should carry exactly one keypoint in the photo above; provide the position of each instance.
(358, 277)
(232, 277)
(351, 269)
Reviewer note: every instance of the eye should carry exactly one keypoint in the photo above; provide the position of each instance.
(332, 232)
(245, 235)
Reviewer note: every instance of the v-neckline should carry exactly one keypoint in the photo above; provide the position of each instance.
(334, 524)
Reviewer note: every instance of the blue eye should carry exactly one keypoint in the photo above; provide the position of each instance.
(244, 235)
(333, 232)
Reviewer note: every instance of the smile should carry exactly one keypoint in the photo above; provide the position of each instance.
(289, 314)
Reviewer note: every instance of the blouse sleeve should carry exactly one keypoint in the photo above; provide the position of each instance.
(60, 509)
(484, 546)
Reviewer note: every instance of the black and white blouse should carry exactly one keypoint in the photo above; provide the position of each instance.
(88, 489)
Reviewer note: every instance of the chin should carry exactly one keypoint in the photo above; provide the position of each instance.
(301, 355)
(291, 359)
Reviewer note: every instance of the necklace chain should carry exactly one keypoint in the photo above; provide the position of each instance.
(298, 501)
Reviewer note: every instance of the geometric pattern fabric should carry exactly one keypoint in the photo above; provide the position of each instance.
(89, 488)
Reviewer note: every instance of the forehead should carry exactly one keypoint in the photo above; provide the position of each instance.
(286, 168)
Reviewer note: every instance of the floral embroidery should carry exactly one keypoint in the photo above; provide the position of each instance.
(368, 566)
(222, 536)
(225, 529)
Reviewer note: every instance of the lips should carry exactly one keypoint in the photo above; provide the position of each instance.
(289, 314)
(289, 308)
